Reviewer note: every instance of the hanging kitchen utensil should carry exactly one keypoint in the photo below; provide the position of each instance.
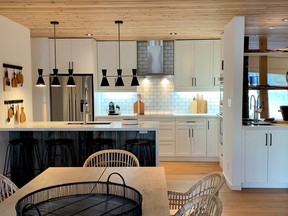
(11, 111)
(14, 80)
(6, 81)
(22, 115)
(17, 114)
(8, 119)
(20, 78)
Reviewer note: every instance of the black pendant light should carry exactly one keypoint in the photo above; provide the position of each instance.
(70, 82)
(119, 80)
(134, 79)
(40, 81)
(104, 81)
(55, 81)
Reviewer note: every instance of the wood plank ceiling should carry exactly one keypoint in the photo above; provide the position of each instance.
(147, 19)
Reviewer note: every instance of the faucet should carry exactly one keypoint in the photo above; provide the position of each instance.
(257, 108)
(85, 102)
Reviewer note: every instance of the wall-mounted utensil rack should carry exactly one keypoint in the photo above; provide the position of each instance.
(13, 101)
(12, 66)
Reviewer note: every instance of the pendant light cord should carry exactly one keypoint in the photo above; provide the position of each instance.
(55, 43)
(119, 43)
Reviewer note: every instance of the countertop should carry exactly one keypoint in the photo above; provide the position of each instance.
(77, 126)
(158, 115)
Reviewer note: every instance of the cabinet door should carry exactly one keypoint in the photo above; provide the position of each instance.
(216, 63)
(107, 58)
(82, 51)
(183, 144)
(203, 63)
(183, 61)
(277, 156)
(212, 137)
(256, 155)
(63, 55)
(198, 140)
(128, 62)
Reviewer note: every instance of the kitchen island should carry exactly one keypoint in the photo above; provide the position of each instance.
(81, 136)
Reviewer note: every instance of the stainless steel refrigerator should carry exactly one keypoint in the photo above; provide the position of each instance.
(66, 102)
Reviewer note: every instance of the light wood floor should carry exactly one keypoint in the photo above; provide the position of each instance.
(249, 202)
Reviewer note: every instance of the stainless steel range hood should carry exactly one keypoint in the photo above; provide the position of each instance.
(155, 63)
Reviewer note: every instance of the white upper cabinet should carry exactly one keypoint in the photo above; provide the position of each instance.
(108, 58)
(197, 64)
(79, 52)
(183, 62)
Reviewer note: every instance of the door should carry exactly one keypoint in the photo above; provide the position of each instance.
(277, 156)
(183, 140)
(256, 155)
(183, 65)
(63, 55)
(198, 140)
(108, 58)
(82, 53)
(203, 62)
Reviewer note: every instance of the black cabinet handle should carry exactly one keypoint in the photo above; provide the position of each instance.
(270, 139)
(266, 137)
(208, 125)
(214, 81)
(189, 132)
(192, 132)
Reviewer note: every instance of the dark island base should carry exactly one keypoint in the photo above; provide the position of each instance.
(26, 161)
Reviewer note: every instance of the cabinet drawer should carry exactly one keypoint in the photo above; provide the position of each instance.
(188, 122)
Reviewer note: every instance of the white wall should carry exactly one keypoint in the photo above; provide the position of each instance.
(41, 95)
(15, 50)
(232, 99)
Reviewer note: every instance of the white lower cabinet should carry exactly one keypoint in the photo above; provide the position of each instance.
(265, 158)
(167, 138)
(191, 137)
(166, 135)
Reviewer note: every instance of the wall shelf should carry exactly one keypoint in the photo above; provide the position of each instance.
(12, 66)
(267, 87)
(272, 53)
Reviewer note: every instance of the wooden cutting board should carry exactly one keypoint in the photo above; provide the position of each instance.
(201, 106)
(141, 108)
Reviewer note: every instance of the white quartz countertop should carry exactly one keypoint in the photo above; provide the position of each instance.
(158, 115)
(77, 126)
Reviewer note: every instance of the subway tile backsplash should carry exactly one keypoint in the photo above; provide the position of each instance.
(159, 98)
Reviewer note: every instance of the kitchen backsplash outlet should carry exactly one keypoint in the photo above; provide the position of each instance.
(159, 98)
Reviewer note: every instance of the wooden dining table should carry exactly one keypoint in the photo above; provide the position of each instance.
(149, 181)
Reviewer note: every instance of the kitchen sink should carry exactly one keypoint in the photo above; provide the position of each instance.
(89, 123)
(262, 123)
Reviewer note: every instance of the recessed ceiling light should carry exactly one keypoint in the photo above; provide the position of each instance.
(271, 27)
(89, 34)
(285, 20)
(173, 33)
